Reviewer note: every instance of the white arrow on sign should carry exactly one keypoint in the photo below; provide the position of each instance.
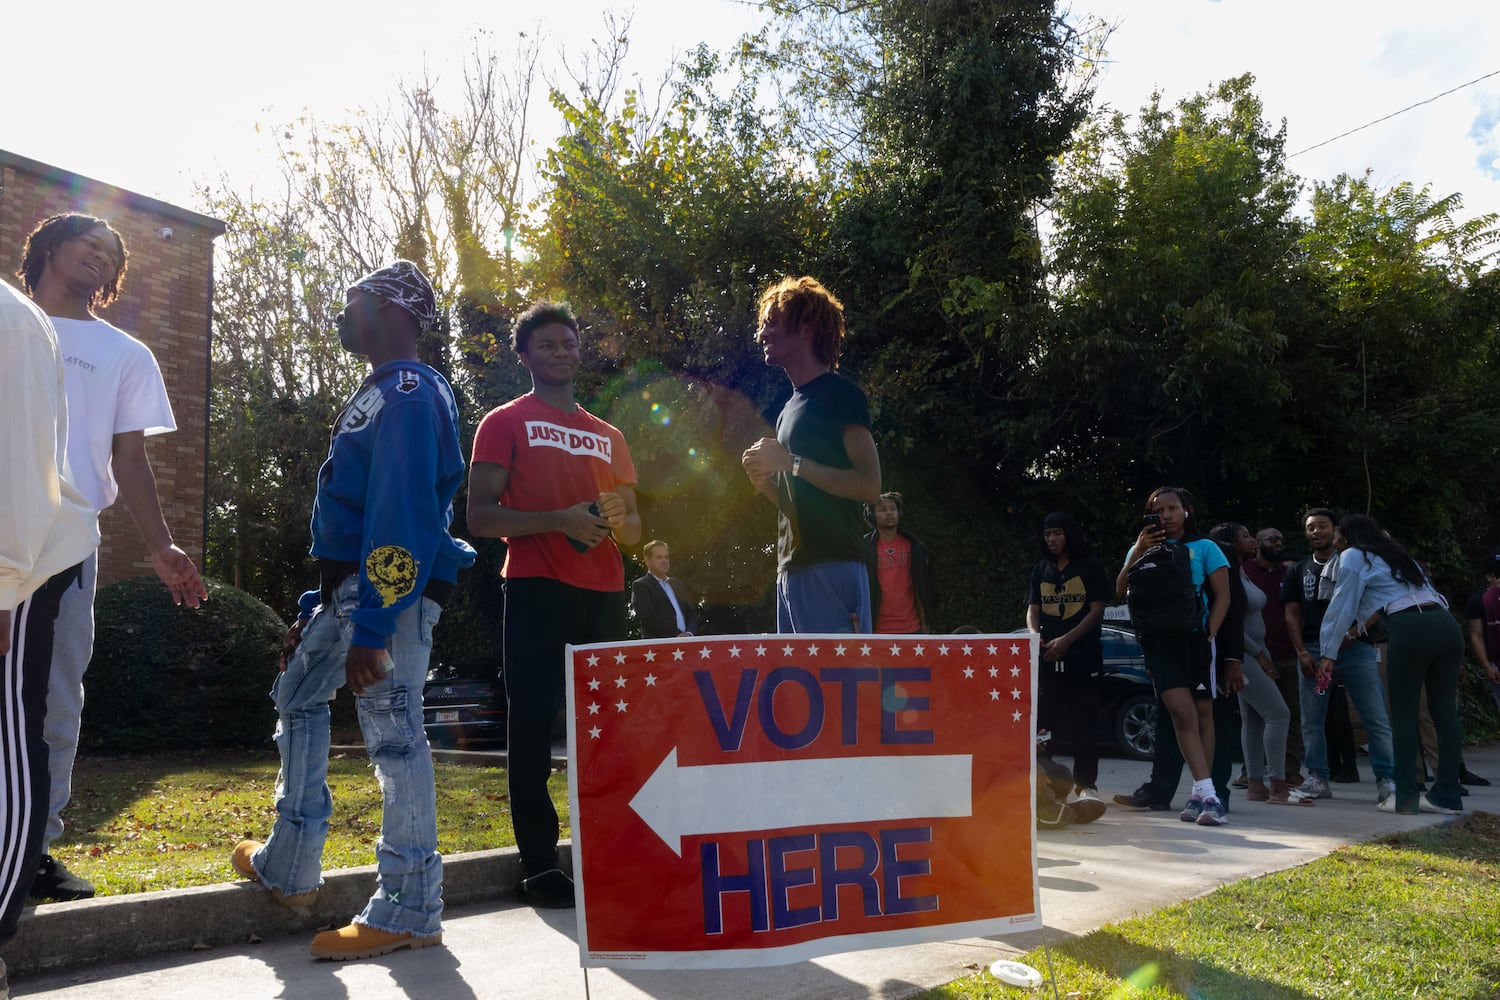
(679, 802)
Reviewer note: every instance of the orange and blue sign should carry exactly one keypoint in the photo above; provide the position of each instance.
(757, 800)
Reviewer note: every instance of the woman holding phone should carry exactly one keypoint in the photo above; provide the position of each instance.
(1426, 647)
(1181, 663)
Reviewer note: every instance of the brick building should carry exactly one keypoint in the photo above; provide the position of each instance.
(165, 303)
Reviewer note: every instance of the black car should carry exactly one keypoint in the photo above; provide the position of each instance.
(1127, 716)
(463, 705)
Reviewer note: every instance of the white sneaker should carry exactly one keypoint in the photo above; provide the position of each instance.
(1426, 805)
(1387, 804)
(1090, 794)
(1312, 787)
(1385, 788)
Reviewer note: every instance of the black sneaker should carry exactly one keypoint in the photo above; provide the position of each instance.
(1054, 816)
(551, 889)
(53, 881)
(1142, 799)
(1468, 777)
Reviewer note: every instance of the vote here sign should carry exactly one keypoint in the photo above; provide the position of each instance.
(756, 800)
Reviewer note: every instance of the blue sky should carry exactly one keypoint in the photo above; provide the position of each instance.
(177, 93)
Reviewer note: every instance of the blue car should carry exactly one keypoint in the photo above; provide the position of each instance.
(463, 705)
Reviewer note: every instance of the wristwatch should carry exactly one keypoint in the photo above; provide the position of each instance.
(796, 466)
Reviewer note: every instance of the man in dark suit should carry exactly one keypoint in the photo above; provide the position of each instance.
(662, 605)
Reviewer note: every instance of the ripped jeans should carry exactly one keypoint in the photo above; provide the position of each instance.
(409, 882)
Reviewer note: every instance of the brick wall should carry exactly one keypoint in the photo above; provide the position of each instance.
(165, 303)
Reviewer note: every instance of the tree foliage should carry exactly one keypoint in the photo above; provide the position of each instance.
(1046, 310)
(1179, 280)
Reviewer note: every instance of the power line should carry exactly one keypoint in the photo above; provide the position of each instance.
(1393, 114)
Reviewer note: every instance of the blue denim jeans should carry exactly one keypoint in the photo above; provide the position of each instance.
(824, 597)
(1357, 670)
(409, 879)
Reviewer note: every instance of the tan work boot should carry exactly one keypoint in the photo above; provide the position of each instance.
(359, 941)
(302, 902)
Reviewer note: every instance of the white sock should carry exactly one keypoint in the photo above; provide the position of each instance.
(1204, 789)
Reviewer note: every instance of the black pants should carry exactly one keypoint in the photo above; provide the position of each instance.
(23, 751)
(541, 617)
(1073, 694)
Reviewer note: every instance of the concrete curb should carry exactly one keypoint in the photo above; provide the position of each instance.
(55, 936)
(114, 928)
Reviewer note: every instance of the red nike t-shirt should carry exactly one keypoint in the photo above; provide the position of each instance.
(898, 600)
(556, 460)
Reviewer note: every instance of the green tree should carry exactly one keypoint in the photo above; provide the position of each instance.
(1179, 286)
(1405, 393)
(279, 378)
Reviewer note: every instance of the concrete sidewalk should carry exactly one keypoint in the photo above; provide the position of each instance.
(232, 943)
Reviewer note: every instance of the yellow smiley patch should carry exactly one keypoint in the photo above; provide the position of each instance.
(393, 571)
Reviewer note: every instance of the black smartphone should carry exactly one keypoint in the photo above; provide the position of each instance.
(582, 546)
(1151, 521)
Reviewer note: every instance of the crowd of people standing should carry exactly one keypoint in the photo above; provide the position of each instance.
(1217, 617)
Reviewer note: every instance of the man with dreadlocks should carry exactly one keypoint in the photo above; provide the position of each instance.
(386, 565)
(820, 469)
(72, 265)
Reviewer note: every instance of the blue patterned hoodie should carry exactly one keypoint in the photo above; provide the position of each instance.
(385, 494)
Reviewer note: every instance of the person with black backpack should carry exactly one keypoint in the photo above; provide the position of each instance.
(1177, 585)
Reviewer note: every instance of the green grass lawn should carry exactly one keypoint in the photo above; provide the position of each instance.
(1414, 915)
(145, 822)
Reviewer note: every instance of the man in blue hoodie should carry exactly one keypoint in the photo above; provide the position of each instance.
(386, 563)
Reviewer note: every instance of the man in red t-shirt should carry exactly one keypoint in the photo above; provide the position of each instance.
(558, 485)
(903, 597)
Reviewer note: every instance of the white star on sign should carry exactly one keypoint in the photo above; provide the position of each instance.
(993, 649)
(593, 684)
(994, 695)
(968, 671)
(593, 659)
(864, 650)
(968, 649)
(594, 733)
(760, 651)
(812, 650)
(786, 650)
(704, 653)
(651, 656)
(917, 649)
(619, 682)
(1015, 649)
(651, 680)
(621, 705)
(895, 649)
(676, 654)
(943, 649)
(620, 657)
(1015, 716)
(1015, 671)
(1015, 694)
(594, 708)
(994, 671)
(839, 649)
(734, 651)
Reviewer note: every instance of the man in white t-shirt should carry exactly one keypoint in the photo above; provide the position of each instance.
(73, 264)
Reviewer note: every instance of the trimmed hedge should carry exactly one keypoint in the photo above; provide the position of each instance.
(170, 677)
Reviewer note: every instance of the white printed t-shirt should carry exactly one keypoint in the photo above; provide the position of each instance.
(114, 386)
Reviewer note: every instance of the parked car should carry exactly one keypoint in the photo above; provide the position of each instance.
(463, 705)
(1127, 717)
